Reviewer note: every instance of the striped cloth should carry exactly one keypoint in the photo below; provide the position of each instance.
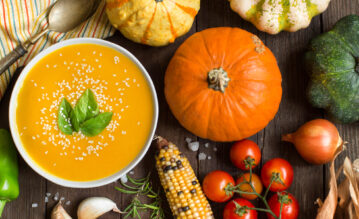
(19, 19)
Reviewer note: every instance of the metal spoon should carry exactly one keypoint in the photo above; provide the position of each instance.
(63, 16)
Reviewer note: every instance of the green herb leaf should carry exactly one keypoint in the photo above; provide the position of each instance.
(74, 121)
(92, 107)
(85, 109)
(84, 117)
(63, 118)
(96, 125)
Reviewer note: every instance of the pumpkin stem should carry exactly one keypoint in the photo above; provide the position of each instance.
(218, 79)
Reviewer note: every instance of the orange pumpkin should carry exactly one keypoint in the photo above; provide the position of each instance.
(223, 84)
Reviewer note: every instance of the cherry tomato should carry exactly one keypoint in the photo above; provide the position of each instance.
(242, 150)
(233, 210)
(282, 169)
(214, 185)
(290, 209)
(256, 182)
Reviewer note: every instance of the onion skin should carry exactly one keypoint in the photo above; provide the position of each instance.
(317, 141)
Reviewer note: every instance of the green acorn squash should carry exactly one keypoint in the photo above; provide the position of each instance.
(333, 64)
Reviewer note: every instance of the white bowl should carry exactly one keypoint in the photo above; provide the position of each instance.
(16, 136)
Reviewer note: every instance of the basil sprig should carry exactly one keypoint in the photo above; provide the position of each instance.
(84, 117)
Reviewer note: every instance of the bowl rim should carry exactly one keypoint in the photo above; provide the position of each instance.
(13, 106)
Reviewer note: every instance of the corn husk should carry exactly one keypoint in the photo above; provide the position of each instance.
(343, 199)
(327, 209)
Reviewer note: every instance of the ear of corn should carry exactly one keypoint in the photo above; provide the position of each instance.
(183, 191)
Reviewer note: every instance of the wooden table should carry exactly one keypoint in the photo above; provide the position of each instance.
(310, 182)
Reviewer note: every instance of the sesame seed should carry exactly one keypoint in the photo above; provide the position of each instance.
(116, 59)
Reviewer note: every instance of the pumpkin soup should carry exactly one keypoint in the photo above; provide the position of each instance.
(118, 87)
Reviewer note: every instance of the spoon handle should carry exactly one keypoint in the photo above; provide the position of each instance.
(12, 57)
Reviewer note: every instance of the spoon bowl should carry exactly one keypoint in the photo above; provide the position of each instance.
(66, 15)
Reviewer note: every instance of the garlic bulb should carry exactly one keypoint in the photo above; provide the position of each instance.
(59, 212)
(94, 207)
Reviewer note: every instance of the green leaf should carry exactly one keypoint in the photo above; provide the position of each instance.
(92, 107)
(96, 125)
(85, 109)
(74, 121)
(63, 118)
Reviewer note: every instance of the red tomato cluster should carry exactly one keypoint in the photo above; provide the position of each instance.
(277, 174)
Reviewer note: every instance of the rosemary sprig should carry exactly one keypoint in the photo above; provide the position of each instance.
(142, 188)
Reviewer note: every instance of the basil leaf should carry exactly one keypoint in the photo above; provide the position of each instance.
(92, 107)
(96, 125)
(74, 121)
(63, 118)
(86, 108)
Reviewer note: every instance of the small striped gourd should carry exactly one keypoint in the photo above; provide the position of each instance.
(183, 191)
(152, 22)
(273, 16)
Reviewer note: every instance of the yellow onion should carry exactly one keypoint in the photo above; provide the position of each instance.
(317, 141)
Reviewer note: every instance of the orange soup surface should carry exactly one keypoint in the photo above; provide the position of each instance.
(119, 87)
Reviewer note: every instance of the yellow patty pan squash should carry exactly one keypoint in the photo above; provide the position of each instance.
(152, 22)
(273, 16)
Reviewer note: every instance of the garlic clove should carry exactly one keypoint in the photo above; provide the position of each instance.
(59, 212)
(94, 207)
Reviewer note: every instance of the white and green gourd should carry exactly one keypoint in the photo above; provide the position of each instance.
(273, 16)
